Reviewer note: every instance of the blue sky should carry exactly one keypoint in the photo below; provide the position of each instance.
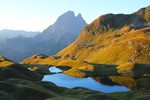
(36, 15)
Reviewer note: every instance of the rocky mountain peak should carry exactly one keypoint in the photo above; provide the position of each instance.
(67, 21)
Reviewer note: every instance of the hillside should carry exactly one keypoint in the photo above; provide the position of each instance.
(111, 39)
(34, 59)
(5, 62)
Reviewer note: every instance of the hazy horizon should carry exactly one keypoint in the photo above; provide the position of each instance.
(33, 15)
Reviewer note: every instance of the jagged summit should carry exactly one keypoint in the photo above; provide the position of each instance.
(70, 15)
(65, 17)
(66, 23)
(68, 19)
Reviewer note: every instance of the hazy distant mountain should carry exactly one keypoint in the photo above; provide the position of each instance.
(8, 34)
(56, 37)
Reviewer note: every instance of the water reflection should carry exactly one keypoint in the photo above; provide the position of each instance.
(64, 80)
(105, 84)
(134, 83)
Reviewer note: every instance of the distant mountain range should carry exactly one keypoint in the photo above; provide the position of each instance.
(9, 34)
(56, 37)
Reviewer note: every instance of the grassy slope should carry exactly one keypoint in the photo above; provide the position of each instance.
(34, 59)
(134, 44)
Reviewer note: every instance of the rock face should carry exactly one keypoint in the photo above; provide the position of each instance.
(56, 37)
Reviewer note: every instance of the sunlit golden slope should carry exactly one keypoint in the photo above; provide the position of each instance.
(113, 39)
(110, 39)
(34, 59)
(5, 62)
(133, 45)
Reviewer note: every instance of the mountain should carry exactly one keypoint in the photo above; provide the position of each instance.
(59, 35)
(117, 39)
(114, 39)
(111, 41)
(8, 34)
(56, 37)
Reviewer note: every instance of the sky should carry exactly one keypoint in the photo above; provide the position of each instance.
(37, 15)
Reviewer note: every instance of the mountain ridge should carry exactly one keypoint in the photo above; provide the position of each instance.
(110, 39)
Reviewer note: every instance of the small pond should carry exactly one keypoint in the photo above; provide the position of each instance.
(67, 81)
